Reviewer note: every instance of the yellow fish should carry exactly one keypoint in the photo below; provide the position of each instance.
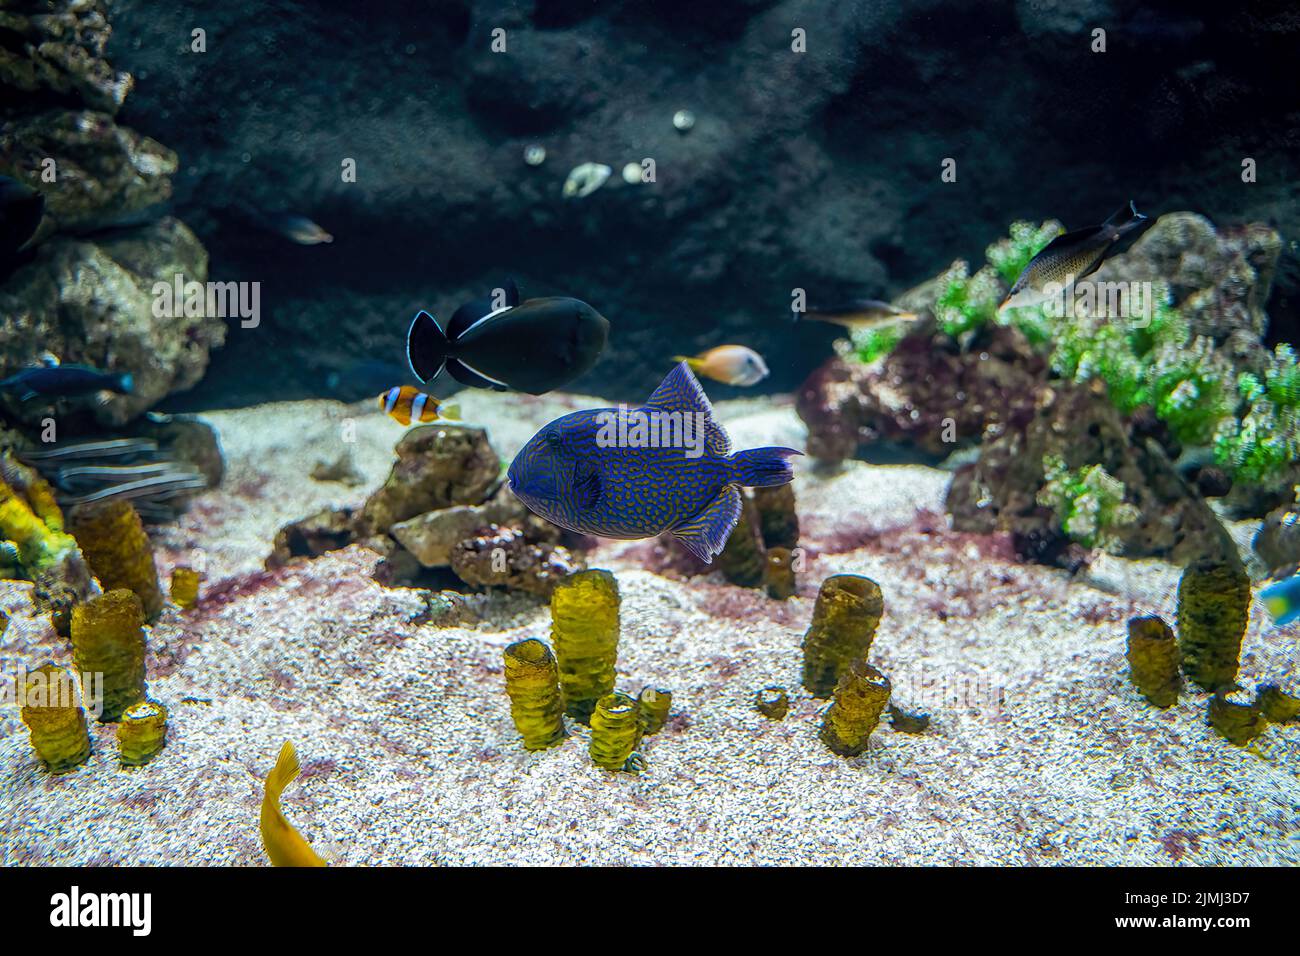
(862, 315)
(729, 364)
(405, 404)
(284, 845)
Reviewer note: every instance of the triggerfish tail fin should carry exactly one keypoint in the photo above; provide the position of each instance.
(426, 347)
(1282, 600)
(763, 467)
(706, 534)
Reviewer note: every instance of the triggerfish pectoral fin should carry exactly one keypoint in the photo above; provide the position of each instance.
(1282, 599)
(706, 534)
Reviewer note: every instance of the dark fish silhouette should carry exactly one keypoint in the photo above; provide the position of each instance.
(634, 473)
(21, 208)
(1070, 257)
(532, 346)
(65, 381)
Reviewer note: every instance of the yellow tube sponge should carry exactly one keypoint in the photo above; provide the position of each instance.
(142, 733)
(654, 705)
(845, 618)
(532, 683)
(108, 638)
(860, 697)
(615, 729)
(55, 719)
(118, 551)
(584, 633)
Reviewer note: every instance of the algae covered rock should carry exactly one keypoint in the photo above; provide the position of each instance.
(1154, 660)
(778, 574)
(437, 466)
(860, 697)
(653, 706)
(515, 559)
(1213, 610)
(928, 393)
(107, 174)
(91, 301)
(845, 618)
(1075, 428)
(777, 518)
(326, 530)
(532, 683)
(55, 52)
(584, 633)
(1277, 705)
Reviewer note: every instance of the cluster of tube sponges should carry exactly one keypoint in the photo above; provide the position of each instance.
(577, 678)
(1214, 596)
(106, 629)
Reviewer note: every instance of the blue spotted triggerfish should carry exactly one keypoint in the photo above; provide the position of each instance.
(637, 472)
(501, 343)
(1282, 599)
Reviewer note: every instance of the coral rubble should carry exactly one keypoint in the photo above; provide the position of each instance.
(772, 702)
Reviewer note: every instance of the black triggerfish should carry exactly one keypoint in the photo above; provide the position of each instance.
(532, 346)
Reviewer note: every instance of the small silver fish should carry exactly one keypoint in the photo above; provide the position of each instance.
(1070, 257)
(158, 487)
(94, 450)
(585, 179)
(862, 314)
(301, 230)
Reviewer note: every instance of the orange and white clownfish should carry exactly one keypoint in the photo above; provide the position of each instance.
(406, 403)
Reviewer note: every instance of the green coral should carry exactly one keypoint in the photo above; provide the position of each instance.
(1265, 439)
(1089, 502)
(1010, 256)
(871, 344)
(966, 302)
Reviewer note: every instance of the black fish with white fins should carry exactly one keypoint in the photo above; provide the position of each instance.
(501, 343)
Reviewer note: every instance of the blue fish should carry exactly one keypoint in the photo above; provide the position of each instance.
(1282, 599)
(64, 381)
(637, 472)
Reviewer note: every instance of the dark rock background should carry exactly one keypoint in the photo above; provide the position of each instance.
(818, 170)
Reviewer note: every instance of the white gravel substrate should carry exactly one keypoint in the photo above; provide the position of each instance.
(1038, 752)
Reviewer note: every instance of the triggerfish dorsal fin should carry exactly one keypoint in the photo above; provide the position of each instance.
(706, 534)
(426, 347)
(680, 391)
(1282, 600)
